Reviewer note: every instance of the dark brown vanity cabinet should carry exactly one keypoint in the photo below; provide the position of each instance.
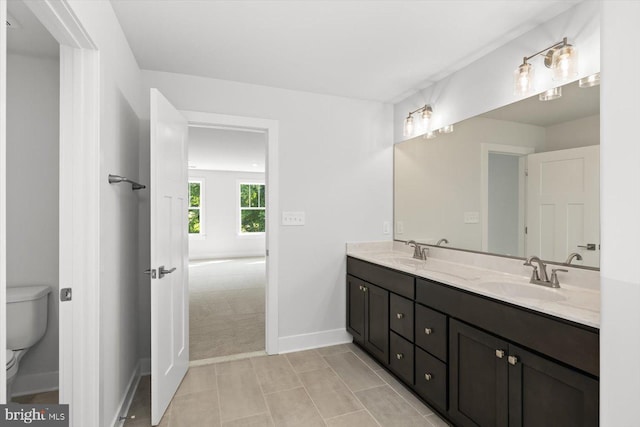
(368, 317)
(477, 360)
(495, 383)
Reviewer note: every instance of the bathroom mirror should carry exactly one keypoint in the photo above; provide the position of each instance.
(520, 180)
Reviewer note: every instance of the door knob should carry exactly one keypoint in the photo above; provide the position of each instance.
(163, 272)
(588, 246)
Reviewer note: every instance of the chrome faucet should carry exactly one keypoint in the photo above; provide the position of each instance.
(418, 252)
(441, 241)
(539, 273)
(571, 256)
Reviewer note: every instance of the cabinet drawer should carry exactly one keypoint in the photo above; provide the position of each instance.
(431, 331)
(401, 316)
(391, 280)
(431, 379)
(401, 357)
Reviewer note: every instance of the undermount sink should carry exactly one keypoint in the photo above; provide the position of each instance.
(522, 290)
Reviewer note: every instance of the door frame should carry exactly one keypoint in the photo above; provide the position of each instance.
(270, 127)
(512, 150)
(79, 343)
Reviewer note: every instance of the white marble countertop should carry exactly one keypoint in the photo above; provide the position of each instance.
(577, 303)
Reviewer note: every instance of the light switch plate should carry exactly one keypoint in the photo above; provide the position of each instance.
(386, 227)
(292, 218)
(471, 217)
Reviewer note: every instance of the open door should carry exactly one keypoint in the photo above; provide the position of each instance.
(563, 206)
(169, 253)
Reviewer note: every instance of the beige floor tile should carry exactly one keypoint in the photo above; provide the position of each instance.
(293, 408)
(436, 421)
(368, 360)
(334, 349)
(233, 367)
(355, 419)
(198, 379)
(328, 392)
(274, 373)
(260, 420)
(353, 371)
(389, 409)
(38, 398)
(404, 392)
(196, 409)
(308, 360)
(240, 396)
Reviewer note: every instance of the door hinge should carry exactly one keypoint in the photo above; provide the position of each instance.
(65, 294)
(526, 230)
(526, 172)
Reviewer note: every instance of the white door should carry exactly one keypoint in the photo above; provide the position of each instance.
(563, 206)
(169, 253)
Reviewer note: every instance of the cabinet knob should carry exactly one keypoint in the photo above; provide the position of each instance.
(364, 289)
(399, 356)
(513, 360)
(400, 315)
(427, 377)
(360, 287)
(499, 354)
(428, 331)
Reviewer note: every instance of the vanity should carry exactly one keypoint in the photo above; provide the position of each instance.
(481, 346)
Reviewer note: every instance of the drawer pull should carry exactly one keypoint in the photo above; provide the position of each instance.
(499, 354)
(364, 289)
(513, 360)
(428, 377)
(400, 315)
(399, 356)
(428, 331)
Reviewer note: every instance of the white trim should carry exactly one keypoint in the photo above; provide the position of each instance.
(128, 397)
(485, 149)
(35, 383)
(313, 340)
(3, 199)
(200, 119)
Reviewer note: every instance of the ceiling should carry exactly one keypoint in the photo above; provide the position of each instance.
(27, 35)
(226, 150)
(575, 103)
(378, 50)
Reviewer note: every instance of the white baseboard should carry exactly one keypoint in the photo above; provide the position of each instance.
(35, 383)
(145, 366)
(313, 340)
(125, 402)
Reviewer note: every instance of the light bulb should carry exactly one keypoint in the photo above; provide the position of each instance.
(523, 79)
(426, 116)
(551, 94)
(408, 125)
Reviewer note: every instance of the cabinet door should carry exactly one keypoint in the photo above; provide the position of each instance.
(546, 394)
(478, 377)
(355, 308)
(377, 322)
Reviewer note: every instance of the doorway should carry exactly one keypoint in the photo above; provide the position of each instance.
(227, 242)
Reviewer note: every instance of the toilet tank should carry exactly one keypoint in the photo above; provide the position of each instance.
(26, 315)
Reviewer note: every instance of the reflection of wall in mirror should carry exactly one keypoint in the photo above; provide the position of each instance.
(438, 180)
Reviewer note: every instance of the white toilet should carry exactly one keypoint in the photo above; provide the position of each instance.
(26, 324)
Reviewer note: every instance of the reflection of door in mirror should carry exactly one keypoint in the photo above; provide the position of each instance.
(563, 191)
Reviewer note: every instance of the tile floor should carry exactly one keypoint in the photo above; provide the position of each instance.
(332, 386)
(38, 398)
(226, 307)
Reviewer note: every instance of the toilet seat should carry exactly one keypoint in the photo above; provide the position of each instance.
(11, 359)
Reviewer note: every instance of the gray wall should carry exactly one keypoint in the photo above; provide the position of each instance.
(32, 201)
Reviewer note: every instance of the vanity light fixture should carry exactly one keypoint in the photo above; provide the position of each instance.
(590, 81)
(561, 58)
(551, 94)
(425, 116)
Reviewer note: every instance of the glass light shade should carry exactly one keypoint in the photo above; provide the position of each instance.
(426, 118)
(446, 129)
(551, 94)
(564, 63)
(590, 81)
(408, 126)
(523, 79)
